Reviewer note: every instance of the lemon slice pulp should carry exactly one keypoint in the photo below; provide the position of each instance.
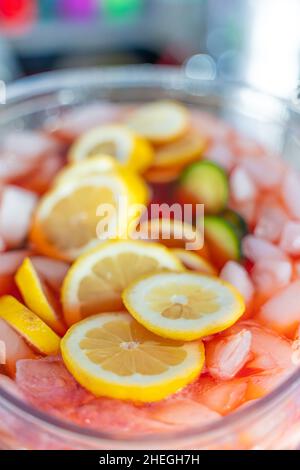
(112, 355)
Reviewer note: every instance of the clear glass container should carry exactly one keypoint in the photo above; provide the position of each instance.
(270, 423)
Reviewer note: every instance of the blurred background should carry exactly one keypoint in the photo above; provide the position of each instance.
(253, 41)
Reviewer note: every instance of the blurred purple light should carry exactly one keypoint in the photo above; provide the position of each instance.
(78, 9)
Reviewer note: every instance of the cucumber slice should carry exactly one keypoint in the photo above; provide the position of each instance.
(207, 183)
(237, 221)
(222, 240)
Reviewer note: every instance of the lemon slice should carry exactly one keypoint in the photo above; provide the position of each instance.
(38, 296)
(112, 355)
(181, 152)
(183, 306)
(126, 146)
(172, 233)
(194, 262)
(81, 213)
(162, 175)
(29, 326)
(160, 122)
(96, 280)
(97, 166)
(90, 167)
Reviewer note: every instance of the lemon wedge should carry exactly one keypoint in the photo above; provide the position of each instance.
(114, 356)
(38, 296)
(29, 326)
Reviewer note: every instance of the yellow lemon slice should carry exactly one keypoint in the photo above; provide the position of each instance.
(112, 355)
(90, 167)
(166, 175)
(81, 213)
(181, 152)
(125, 145)
(104, 164)
(29, 326)
(194, 262)
(160, 122)
(183, 306)
(96, 280)
(172, 233)
(38, 296)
